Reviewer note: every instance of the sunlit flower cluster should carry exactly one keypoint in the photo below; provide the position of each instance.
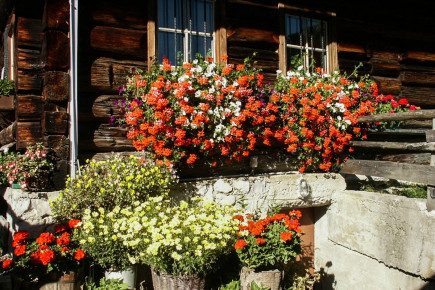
(196, 110)
(58, 252)
(315, 115)
(268, 242)
(116, 181)
(30, 170)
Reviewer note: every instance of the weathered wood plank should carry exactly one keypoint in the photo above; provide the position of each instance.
(385, 67)
(104, 106)
(412, 158)
(28, 133)
(115, 15)
(245, 34)
(409, 115)
(420, 96)
(29, 81)
(29, 32)
(351, 48)
(7, 135)
(128, 41)
(56, 15)
(430, 136)
(108, 73)
(419, 146)
(55, 50)
(423, 78)
(399, 171)
(29, 59)
(56, 86)
(421, 56)
(59, 144)
(388, 86)
(55, 122)
(106, 138)
(29, 107)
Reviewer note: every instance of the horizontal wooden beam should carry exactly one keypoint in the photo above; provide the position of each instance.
(409, 115)
(430, 136)
(393, 170)
(420, 146)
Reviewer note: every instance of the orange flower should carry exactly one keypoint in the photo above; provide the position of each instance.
(20, 250)
(79, 254)
(7, 263)
(45, 238)
(286, 236)
(260, 241)
(240, 244)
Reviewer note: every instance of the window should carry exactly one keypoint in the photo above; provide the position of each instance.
(185, 28)
(306, 38)
(306, 42)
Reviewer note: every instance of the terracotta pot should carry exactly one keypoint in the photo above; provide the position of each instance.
(163, 281)
(270, 279)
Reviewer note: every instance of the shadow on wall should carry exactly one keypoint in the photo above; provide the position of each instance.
(327, 281)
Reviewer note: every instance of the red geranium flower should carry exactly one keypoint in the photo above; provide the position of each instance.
(7, 263)
(240, 244)
(20, 250)
(45, 238)
(20, 236)
(64, 239)
(79, 254)
(286, 236)
(47, 257)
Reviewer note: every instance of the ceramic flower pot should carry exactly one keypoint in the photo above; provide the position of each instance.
(128, 276)
(162, 281)
(269, 279)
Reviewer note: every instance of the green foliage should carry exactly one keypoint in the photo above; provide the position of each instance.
(109, 284)
(118, 181)
(306, 282)
(233, 285)
(255, 286)
(6, 87)
(395, 188)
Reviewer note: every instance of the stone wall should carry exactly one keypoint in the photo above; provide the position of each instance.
(369, 240)
(262, 192)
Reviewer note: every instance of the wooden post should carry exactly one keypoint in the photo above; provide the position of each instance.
(431, 187)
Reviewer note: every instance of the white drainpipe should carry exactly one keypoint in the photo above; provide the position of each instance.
(73, 128)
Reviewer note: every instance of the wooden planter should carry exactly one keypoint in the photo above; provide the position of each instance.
(7, 103)
(269, 279)
(163, 281)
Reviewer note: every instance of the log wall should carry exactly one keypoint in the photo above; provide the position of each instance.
(42, 80)
(113, 40)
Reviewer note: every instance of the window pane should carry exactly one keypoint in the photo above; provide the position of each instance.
(170, 47)
(293, 30)
(201, 45)
(168, 14)
(294, 58)
(319, 59)
(201, 15)
(319, 32)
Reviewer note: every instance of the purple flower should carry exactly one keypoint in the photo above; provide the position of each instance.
(133, 70)
(122, 102)
(121, 89)
(115, 102)
(112, 120)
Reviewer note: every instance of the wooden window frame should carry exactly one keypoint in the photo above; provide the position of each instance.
(219, 34)
(329, 17)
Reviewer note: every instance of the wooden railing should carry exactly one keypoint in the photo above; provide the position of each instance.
(397, 170)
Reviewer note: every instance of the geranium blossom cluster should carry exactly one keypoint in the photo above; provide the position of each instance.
(316, 115)
(30, 170)
(48, 252)
(202, 109)
(268, 242)
(196, 110)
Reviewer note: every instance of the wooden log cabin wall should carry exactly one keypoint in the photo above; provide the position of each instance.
(396, 44)
(41, 72)
(397, 51)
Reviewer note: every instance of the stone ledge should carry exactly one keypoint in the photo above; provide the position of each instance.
(264, 191)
